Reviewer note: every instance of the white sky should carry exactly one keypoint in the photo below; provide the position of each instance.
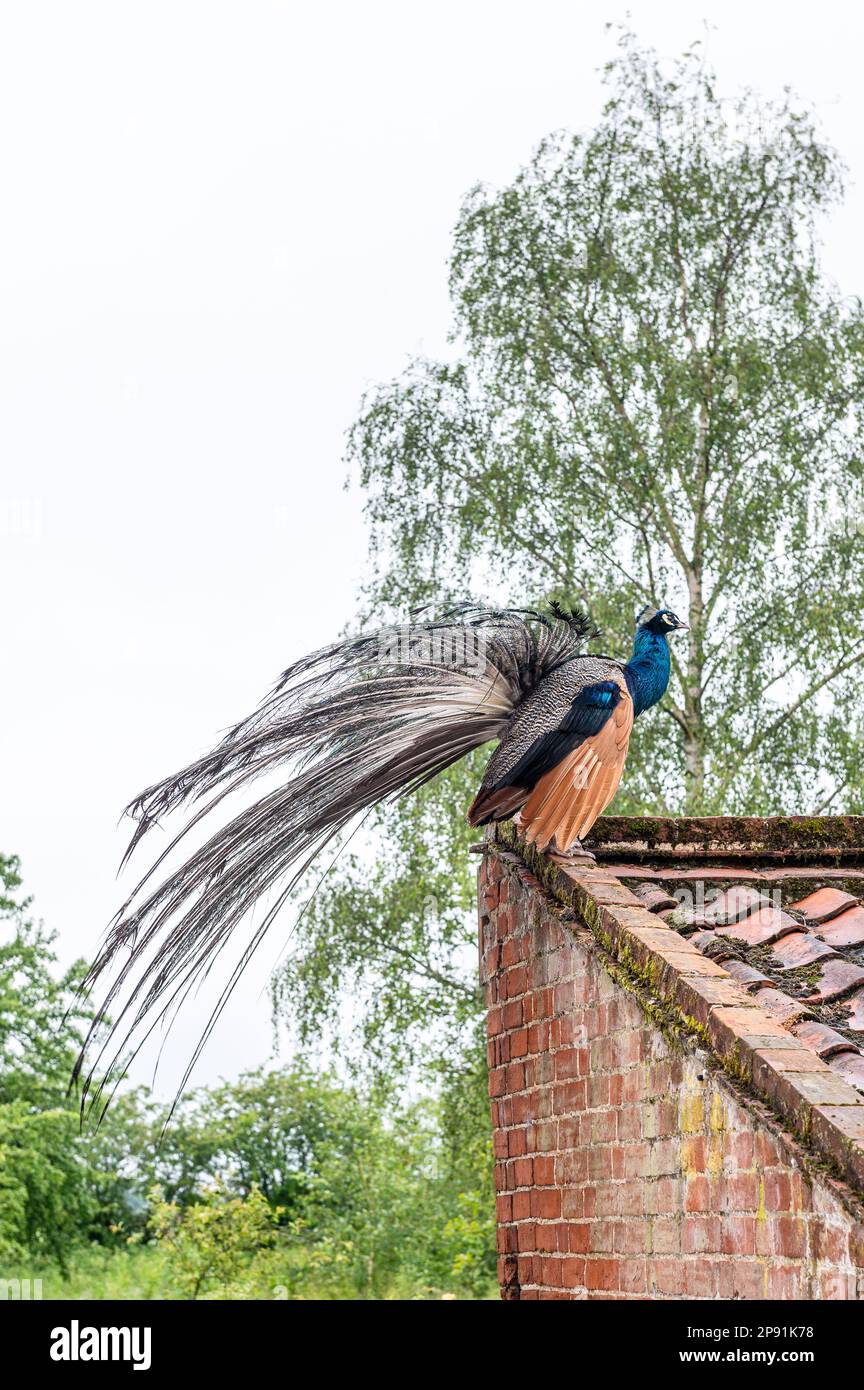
(220, 224)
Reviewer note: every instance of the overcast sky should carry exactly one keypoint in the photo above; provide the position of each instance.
(220, 224)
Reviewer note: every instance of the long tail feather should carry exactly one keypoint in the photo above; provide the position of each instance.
(358, 722)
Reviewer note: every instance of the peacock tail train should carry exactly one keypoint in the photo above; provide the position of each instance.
(357, 723)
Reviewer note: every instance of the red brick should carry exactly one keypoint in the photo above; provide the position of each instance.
(628, 1123)
(829, 1242)
(523, 1169)
(544, 1171)
(602, 1126)
(538, 1037)
(667, 1277)
(601, 1274)
(693, 1154)
(777, 1190)
(790, 1237)
(506, 1239)
(628, 1237)
(543, 1136)
(521, 1205)
(563, 998)
(546, 1203)
(700, 1277)
(783, 1282)
(573, 1273)
(701, 1235)
(570, 1097)
(567, 1063)
(497, 1082)
(546, 1238)
(512, 952)
(598, 1091)
(521, 1108)
(526, 1236)
(511, 1014)
(551, 1272)
(666, 1235)
(515, 1074)
(571, 1167)
(637, 1159)
(633, 1276)
(573, 1204)
(738, 1235)
(665, 1196)
(579, 1237)
(516, 1143)
(741, 1279)
(697, 1195)
(516, 981)
(739, 1147)
(569, 1132)
(837, 1285)
(601, 1238)
(742, 1192)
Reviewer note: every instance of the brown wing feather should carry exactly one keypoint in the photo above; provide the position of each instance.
(498, 805)
(566, 802)
(553, 799)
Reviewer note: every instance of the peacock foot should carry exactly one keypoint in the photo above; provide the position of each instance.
(575, 854)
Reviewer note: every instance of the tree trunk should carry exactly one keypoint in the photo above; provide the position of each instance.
(694, 739)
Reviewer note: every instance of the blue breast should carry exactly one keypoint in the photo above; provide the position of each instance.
(647, 671)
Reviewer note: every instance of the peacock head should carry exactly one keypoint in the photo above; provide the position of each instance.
(660, 621)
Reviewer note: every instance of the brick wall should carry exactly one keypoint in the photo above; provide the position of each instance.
(627, 1163)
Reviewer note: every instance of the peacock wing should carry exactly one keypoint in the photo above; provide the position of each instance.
(568, 798)
(571, 706)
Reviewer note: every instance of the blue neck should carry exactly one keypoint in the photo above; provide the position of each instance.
(647, 671)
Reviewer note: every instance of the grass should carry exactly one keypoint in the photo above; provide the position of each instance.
(97, 1273)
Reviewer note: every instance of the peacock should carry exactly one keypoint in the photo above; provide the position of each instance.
(359, 722)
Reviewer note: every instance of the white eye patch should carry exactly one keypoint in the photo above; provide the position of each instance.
(667, 620)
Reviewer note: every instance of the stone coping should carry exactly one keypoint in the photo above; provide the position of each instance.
(783, 839)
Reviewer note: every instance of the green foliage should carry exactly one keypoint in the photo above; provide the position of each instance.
(261, 1132)
(44, 1194)
(38, 1014)
(44, 1199)
(370, 1194)
(285, 1183)
(210, 1244)
(658, 394)
(385, 1202)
